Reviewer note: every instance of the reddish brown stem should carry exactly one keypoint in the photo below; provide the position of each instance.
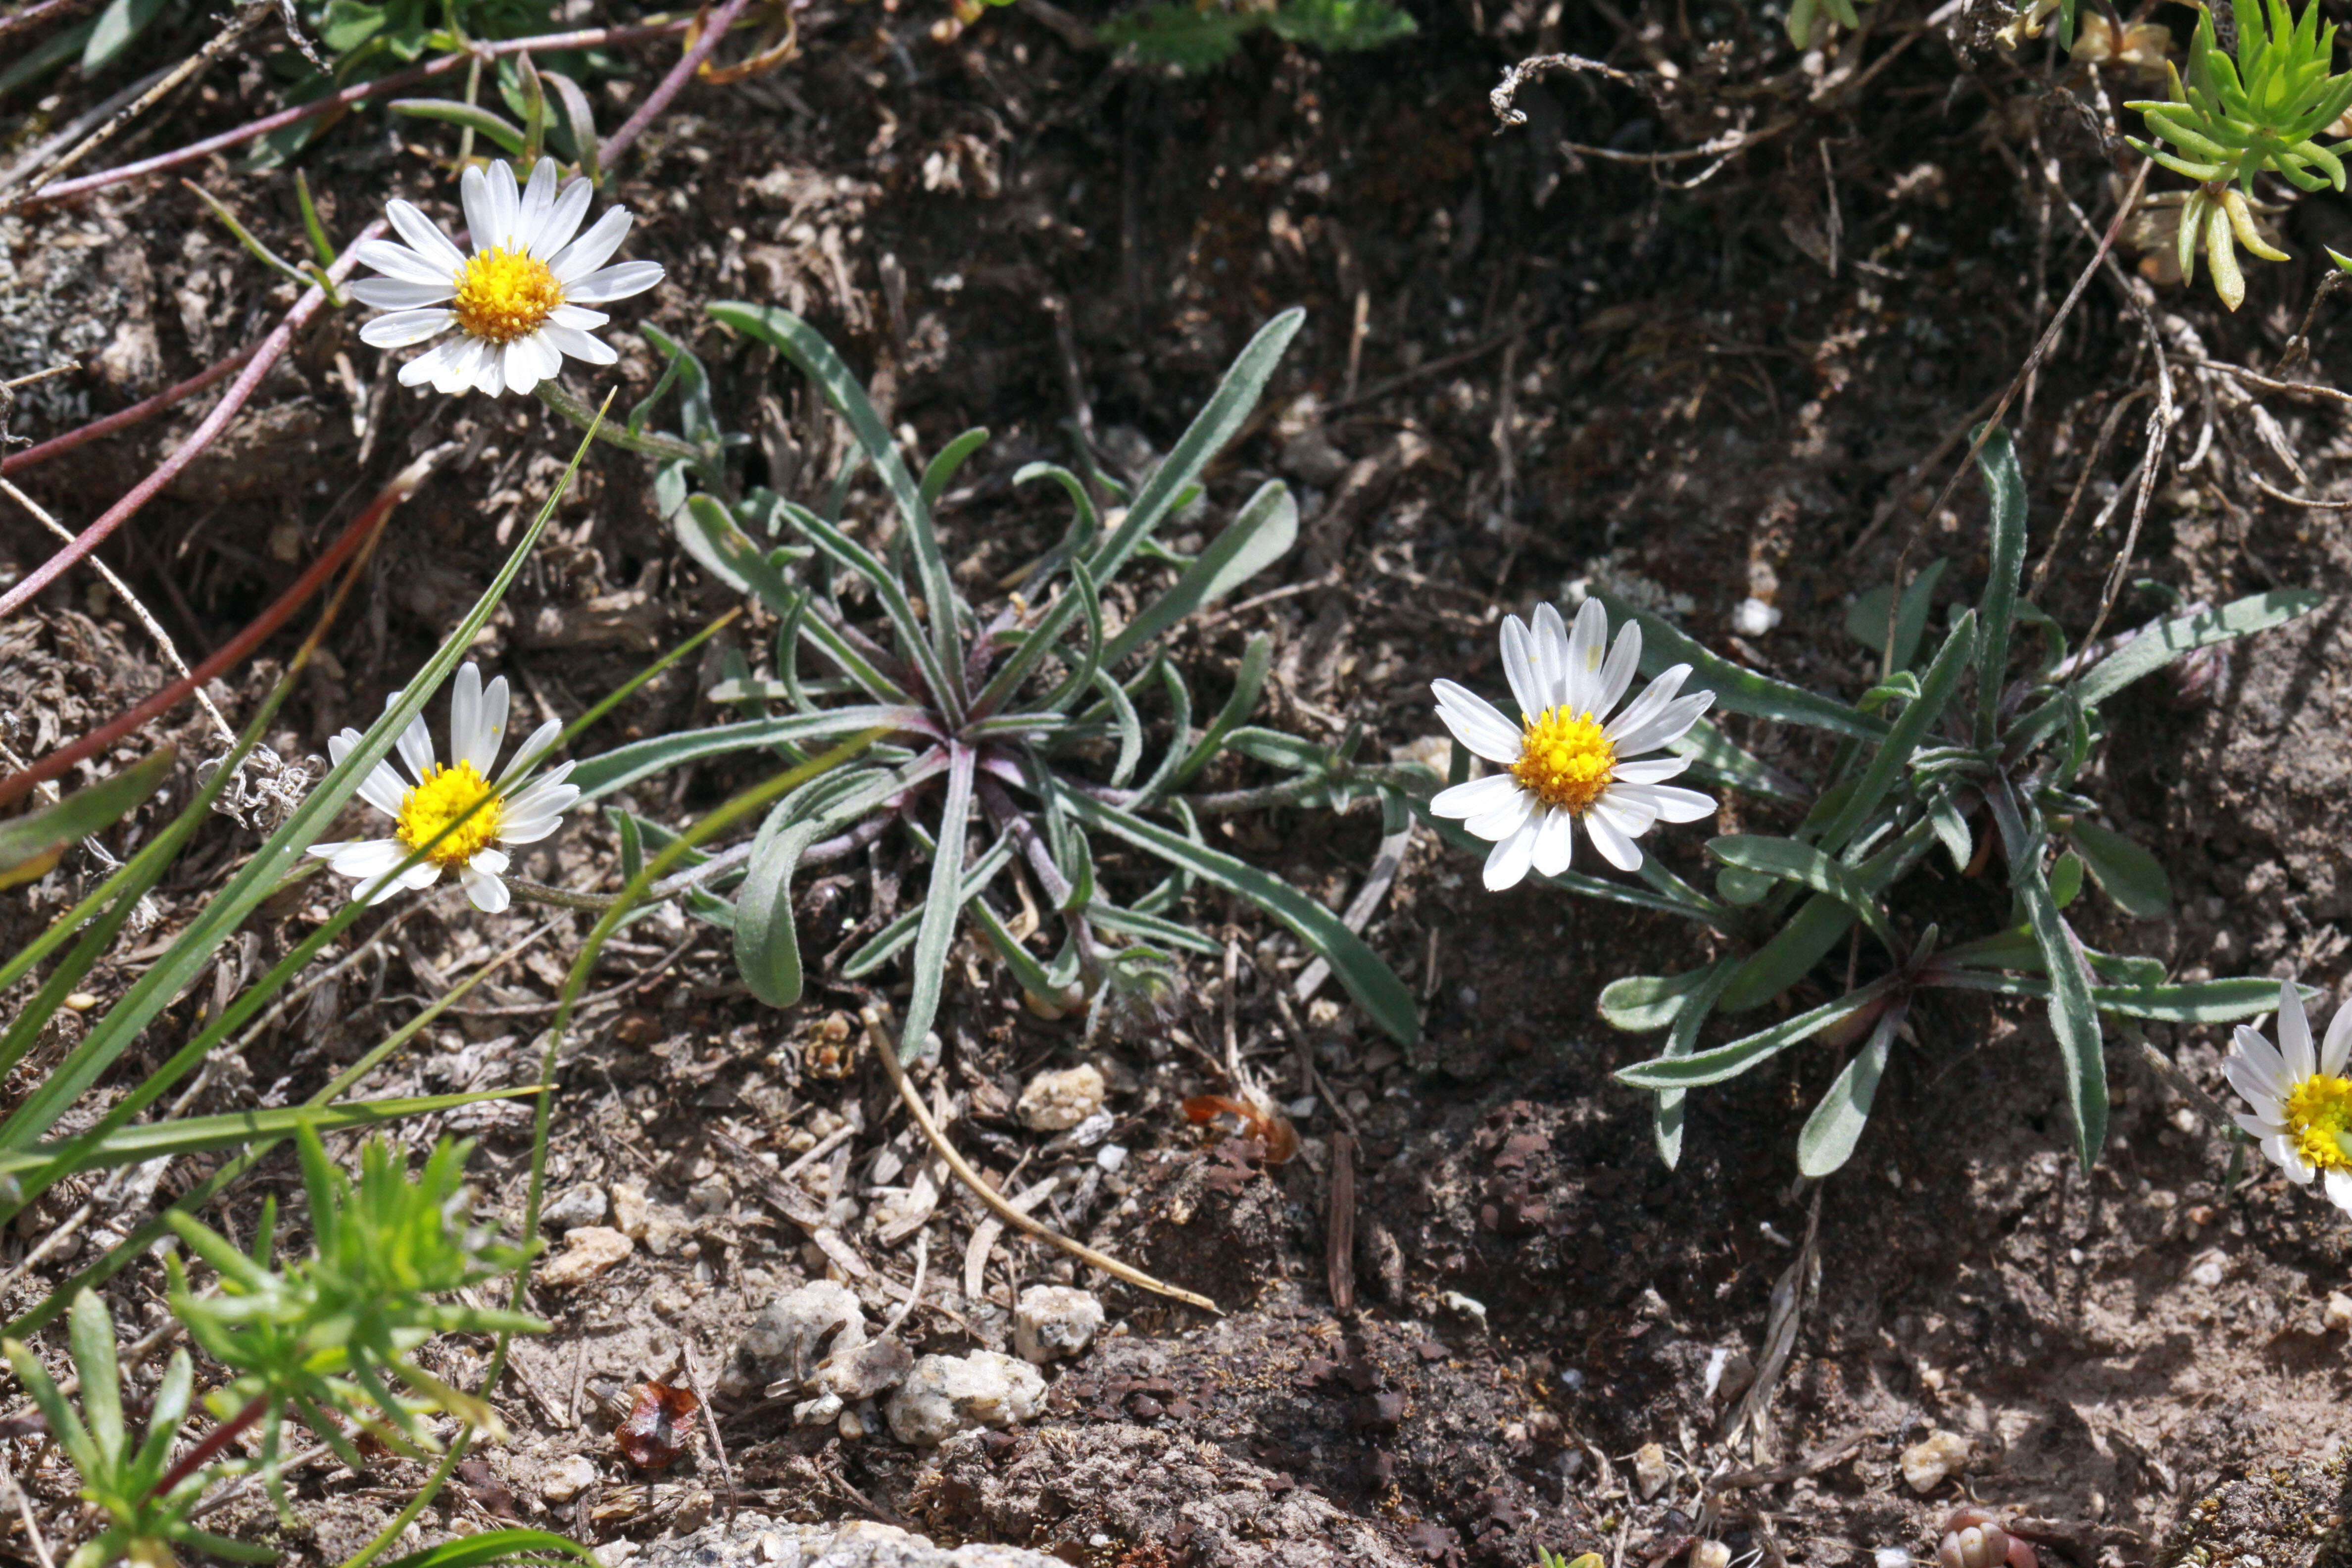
(144, 409)
(712, 31)
(42, 11)
(266, 355)
(195, 152)
(360, 531)
(214, 1441)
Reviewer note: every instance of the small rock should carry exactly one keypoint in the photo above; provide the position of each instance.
(2207, 1271)
(947, 1394)
(800, 1329)
(862, 1371)
(1928, 1462)
(1110, 1157)
(588, 1251)
(2338, 1313)
(1754, 617)
(629, 1210)
(1892, 1557)
(583, 1205)
(710, 1196)
(566, 1478)
(1710, 1555)
(667, 1229)
(1054, 1321)
(1651, 1471)
(821, 1411)
(1058, 1101)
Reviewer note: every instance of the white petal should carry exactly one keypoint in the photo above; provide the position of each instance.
(1527, 688)
(383, 788)
(1504, 820)
(427, 367)
(398, 293)
(1650, 770)
(424, 874)
(1507, 862)
(1550, 635)
(368, 857)
(489, 862)
(1617, 674)
(488, 377)
(1477, 723)
(1584, 648)
(2264, 1094)
(396, 261)
(1667, 727)
(530, 753)
(417, 747)
(1649, 705)
(1555, 842)
(465, 711)
(1628, 810)
(529, 832)
(537, 200)
(2259, 1126)
(453, 372)
(490, 730)
(425, 238)
(1476, 799)
(563, 221)
(2288, 1158)
(551, 358)
(617, 282)
(2339, 1188)
(486, 894)
(578, 345)
(1681, 805)
(577, 316)
(2295, 1034)
(2338, 1048)
(401, 328)
(520, 366)
(2265, 1058)
(590, 250)
(1615, 848)
(547, 785)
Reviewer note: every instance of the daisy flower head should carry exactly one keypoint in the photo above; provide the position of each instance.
(1566, 760)
(2301, 1101)
(518, 302)
(515, 809)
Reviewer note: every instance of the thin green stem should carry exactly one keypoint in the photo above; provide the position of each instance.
(649, 443)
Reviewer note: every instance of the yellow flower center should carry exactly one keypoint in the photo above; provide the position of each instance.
(444, 798)
(1565, 761)
(503, 295)
(2318, 1116)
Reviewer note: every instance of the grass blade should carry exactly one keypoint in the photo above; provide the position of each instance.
(943, 905)
(2005, 492)
(1260, 534)
(624, 765)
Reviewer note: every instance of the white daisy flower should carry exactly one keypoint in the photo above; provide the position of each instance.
(518, 302)
(2302, 1101)
(514, 813)
(1568, 761)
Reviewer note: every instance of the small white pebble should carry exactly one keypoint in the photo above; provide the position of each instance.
(1111, 1156)
(1754, 617)
(1893, 1557)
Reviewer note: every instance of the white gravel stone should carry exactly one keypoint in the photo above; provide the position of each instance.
(588, 1251)
(946, 1395)
(800, 1329)
(566, 1478)
(583, 1205)
(1928, 1462)
(1054, 1321)
(1058, 1101)
(1651, 1471)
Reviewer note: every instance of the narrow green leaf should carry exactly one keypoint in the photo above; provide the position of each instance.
(767, 946)
(579, 121)
(806, 348)
(624, 765)
(1903, 737)
(471, 116)
(1865, 618)
(2073, 1016)
(1666, 1116)
(2005, 493)
(30, 844)
(1802, 863)
(1835, 1126)
(1217, 423)
(2161, 642)
(1373, 985)
(1728, 1061)
(1639, 1002)
(91, 1329)
(2066, 879)
(1819, 924)
(1261, 532)
(1249, 680)
(942, 471)
(943, 905)
(833, 542)
(142, 1141)
(494, 1546)
(1716, 760)
(2124, 871)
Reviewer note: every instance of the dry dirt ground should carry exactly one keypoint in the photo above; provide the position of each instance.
(1567, 369)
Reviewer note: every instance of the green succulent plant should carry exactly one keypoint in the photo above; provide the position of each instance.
(2262, 111)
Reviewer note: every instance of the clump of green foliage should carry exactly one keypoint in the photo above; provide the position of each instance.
(1194, 37)
(2233, 119)
(1024, 718)
(330, 1336)
(1951, 751)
